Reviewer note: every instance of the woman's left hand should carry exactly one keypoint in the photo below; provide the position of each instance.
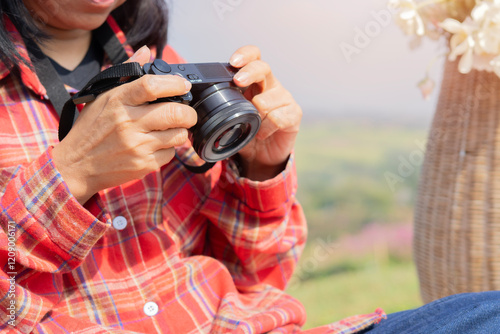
(266, 155)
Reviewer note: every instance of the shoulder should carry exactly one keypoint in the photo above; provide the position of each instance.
(171, 56)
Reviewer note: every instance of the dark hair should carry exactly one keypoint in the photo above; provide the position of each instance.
(144, 22)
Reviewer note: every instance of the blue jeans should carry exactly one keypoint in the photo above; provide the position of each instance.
(463, 313)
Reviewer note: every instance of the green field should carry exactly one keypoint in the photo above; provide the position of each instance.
(391, 286)
(342, 167)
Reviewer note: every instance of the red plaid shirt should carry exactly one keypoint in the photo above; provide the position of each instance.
(174, 252)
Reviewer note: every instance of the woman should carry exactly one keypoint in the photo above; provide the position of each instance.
(111, 233)
(104, 232)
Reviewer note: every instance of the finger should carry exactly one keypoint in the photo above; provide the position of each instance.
(285, 119)
(150, 88)
(256, 71)
(163, 157)
(141, 56)
(245, 55)
(164, 116)
(272, 99)
(169, 138)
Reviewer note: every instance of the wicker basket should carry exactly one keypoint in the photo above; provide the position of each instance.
(457, 217)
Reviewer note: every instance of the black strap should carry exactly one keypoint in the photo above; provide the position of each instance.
(196, 169)
(49, 78)
(111, 44)
(107, 79)
(65, 105)
(117, 54)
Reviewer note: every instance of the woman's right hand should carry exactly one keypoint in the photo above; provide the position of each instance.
(120, 137)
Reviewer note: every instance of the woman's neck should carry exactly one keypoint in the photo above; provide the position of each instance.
(67, 47)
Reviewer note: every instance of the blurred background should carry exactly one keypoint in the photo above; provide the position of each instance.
(362, 138)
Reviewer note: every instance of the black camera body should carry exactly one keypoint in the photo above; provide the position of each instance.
(226, 120)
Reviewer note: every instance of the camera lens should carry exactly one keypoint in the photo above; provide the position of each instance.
(230, 136)
(226, 122)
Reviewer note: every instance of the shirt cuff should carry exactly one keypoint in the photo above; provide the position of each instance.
(261, 195)
(72, 227)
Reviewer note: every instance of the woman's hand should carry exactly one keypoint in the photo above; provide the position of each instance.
(119, 137)
(266, 155)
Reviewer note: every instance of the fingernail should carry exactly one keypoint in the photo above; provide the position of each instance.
(138, 53)
(242, 77)
(188, 85)
(236, 59)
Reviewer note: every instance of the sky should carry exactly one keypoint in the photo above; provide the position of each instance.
(317, 50)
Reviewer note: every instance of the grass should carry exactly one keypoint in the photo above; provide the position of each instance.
(341, 166)
(362, 144)
(392, 286)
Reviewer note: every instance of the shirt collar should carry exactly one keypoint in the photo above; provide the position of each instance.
(28, 76)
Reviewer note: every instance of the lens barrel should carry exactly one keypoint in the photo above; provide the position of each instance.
(226, 122)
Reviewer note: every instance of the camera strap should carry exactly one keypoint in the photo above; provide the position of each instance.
(105, 80)
(56, 91)
(108, 79)
(65, 105)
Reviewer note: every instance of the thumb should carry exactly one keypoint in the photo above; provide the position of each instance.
(141, 56)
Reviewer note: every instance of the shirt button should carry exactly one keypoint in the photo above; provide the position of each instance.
(119, 223)
(151, 308)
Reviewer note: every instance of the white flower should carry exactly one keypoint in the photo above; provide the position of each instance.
(409, 18)
(487, 15)
(462, 42)
(476, 39)
(486, 9)
(483, 62)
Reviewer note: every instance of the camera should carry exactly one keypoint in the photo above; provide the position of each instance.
(226, 120)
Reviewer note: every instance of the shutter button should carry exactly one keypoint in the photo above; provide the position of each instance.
(119, 223)
(151, 308)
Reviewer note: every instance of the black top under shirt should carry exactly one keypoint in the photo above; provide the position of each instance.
(89, 67)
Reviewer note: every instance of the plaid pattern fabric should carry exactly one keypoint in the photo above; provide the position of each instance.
(213, 251)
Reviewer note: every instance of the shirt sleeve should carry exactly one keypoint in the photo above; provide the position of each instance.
(257, 229)
(45, 233)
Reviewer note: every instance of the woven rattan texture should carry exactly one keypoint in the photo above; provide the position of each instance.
(457, 215)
